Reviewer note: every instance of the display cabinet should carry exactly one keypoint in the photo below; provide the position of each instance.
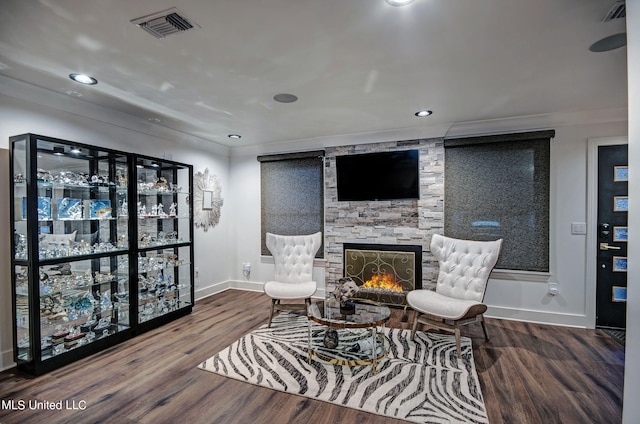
(164, 235)
(96, 259)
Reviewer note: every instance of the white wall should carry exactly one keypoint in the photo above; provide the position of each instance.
(6, 332)
(510, 295)
(213, 252)
(631, 410)
(527, 298)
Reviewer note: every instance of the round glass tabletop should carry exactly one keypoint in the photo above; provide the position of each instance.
(362, 315)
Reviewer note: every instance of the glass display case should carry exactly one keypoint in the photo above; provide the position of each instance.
(95, 255)
(164, 234)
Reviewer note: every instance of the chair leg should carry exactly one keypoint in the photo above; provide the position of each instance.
(414, 325)
(458, 349)
(484, 328)
(273, 306)
(307, 303)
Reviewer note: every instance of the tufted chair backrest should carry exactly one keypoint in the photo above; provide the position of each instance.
(465, 266)
(293, 256)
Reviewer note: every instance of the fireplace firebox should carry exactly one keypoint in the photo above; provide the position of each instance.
(384, 273)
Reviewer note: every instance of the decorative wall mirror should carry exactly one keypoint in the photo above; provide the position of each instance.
(207, 199)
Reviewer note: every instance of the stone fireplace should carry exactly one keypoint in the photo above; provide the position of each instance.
(388, 222)
(384, 273)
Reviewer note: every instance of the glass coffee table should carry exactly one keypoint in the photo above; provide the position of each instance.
(351, 336)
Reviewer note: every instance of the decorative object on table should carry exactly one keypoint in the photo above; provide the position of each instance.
(418, 381)
(344, 291)
(330, 339)
(207, 200)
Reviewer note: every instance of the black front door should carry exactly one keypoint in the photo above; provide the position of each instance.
(613, 186)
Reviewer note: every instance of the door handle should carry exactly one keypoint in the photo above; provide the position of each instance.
(605, 246)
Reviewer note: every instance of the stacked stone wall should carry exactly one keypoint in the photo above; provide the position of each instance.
(404, 222)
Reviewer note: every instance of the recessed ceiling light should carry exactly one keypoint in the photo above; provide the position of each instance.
(83, 79)
(75, 150)
(155, 164)
(236, 136)
(154, 120)
(399, 3)
(285, 98)
(423, 113)
(58, 150)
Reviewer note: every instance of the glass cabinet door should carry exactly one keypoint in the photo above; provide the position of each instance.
(70, 245)
(79, 201)
(164, 236)
(81, 302)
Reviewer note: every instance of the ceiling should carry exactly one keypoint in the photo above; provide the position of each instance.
(356, 66)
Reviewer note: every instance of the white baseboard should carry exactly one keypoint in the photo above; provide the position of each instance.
(201, 293)
(537, 317)
(6, 360)
(499, 312)
(255, 286)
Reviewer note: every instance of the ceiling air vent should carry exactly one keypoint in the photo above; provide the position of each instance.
(617, 11)
(165, 23)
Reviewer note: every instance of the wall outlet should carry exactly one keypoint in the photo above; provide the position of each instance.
(553, 289)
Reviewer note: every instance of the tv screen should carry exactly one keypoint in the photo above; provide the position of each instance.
(378, 176)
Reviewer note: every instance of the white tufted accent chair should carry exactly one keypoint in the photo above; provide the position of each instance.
(293, 259)
(465, 267)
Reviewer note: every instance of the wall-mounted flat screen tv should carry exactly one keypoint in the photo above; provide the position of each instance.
(378, 176)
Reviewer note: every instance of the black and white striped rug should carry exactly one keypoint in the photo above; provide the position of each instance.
(421, 381)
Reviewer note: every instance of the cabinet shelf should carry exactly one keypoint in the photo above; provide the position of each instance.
(78, 284)
(79, 257)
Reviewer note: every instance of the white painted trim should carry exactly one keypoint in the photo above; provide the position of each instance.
(253, 286)
(53, 99)
(317, 262)
(211, 290)
(498, 312)
(537, 122)
(6, 360)
(537, 317)
(514, 275)
(592, 222)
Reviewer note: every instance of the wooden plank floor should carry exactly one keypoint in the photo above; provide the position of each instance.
(529, 374)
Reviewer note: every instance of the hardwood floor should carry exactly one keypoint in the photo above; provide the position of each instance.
(529, 374)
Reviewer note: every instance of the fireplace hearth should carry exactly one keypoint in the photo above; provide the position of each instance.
(384, 273)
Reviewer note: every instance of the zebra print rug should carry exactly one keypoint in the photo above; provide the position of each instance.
(421, 381)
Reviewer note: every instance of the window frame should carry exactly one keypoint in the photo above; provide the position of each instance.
(272, 198)
(466, 200)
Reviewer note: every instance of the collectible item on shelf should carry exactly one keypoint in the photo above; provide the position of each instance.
(99, 209)
(44, 208)
(69, 208)
(123, 210)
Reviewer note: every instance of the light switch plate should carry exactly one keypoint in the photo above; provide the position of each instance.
(578, 228)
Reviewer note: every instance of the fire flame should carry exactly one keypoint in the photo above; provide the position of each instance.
(383, 281)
